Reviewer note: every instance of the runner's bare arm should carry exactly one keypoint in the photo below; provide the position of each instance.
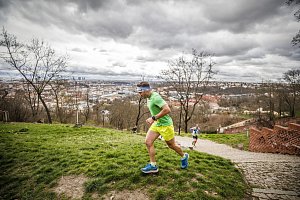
(165, 110)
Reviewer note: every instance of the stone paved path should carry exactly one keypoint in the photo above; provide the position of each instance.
(271, 176)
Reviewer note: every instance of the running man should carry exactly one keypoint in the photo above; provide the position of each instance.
(160, 124)
(195, 132)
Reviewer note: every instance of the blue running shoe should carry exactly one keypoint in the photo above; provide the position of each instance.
(150, 169)
(184, 161)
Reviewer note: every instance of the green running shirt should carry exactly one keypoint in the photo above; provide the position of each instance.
(155, 102)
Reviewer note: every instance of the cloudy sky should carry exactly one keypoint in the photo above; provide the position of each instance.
(124, 39)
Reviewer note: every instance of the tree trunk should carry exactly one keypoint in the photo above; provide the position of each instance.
(139, 113)
(46, 108)
(186, 120)
(180, 115)
(58, 110)
(294, 102)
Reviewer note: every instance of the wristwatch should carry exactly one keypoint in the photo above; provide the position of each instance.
(153, 117)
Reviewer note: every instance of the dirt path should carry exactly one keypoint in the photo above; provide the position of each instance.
(271, 176)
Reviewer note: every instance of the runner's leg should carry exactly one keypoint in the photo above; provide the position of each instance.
(150, 138)
(171, 143)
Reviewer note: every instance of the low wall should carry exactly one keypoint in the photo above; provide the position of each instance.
(280, 139)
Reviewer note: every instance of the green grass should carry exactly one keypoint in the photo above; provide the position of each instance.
(230, 139)
(33, 157)
(246, 116)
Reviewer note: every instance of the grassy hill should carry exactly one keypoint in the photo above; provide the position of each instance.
(35, 157)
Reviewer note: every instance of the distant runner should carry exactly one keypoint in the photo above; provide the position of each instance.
(161, 124)
(195, 132)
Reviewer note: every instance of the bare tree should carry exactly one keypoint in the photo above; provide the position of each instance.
(57, 86)
(98, 112)
(32, 99)
(270, 100)
(37, 63)
(123, 113)
(292, 77)
(120, 113)
(16, 107)
(141, 111)
(187, 76)
(87, 110)
(296, 38)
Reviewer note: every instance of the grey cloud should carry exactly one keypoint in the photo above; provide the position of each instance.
(168, 32)
(256, 62)
(296, 55)
(120, 20)
(101, 71)
(44, 13)
(241, 15)
(146, 59)
(4, 11)
(86, 5)
(233, 49)
(118, 64)
(76, 18)
(100, 50)
(162, 41)
(252, 29)
(4, 3)
(249, 73)
(76, 49)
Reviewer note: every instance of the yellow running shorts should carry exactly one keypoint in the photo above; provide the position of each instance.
(167, 132)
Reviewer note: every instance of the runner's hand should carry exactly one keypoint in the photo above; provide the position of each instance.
(149, 121)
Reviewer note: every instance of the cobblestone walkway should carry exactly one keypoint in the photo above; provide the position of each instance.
(271, 176)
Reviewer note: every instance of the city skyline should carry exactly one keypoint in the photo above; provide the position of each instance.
(120, 40)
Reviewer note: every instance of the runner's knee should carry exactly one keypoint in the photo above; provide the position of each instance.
(171, 145)
(148, 143)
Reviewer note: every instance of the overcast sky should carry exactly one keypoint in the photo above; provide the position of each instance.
(122, 39)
